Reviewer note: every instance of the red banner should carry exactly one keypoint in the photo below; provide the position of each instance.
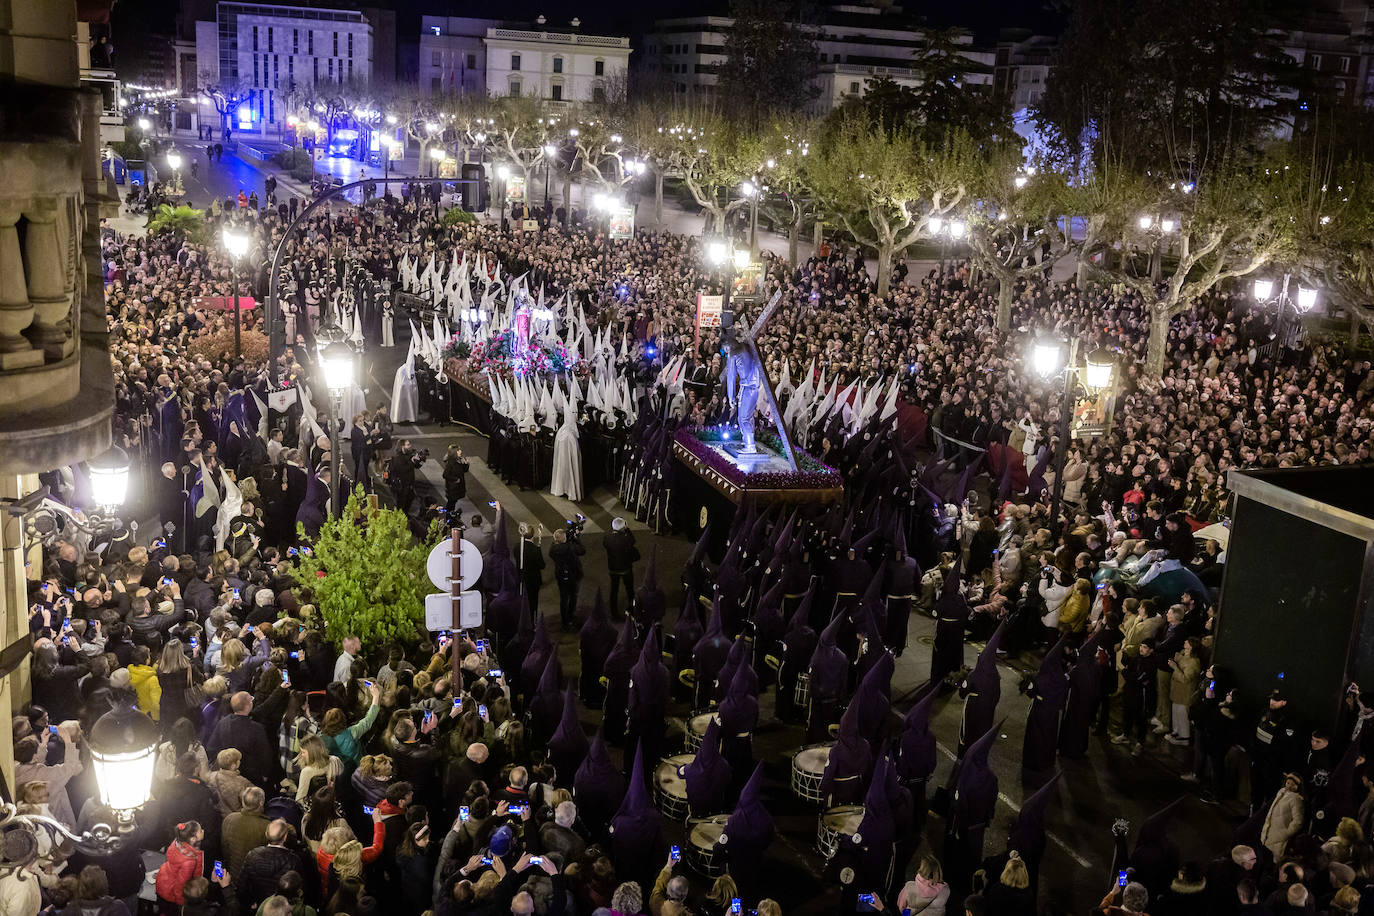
(224, 303)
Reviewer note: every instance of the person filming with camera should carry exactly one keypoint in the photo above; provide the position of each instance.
(400, 473)
(566, 553)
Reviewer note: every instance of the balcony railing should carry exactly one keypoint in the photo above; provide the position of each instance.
(565, 38)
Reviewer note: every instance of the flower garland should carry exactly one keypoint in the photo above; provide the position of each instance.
(811, 474)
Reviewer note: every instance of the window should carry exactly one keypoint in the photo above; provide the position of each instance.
(515, 88)
(600, 68)
(270, 44)
(255, 38)
(336, 44)
(310, 42)
(599, 95)
(515, 65)
(434, 58)
(276, 61)
(295, 41)
(1345, 65)
(434, 83)
(1316, 61)
(255, 69)
(854, 87)
(272, 109)
(331, 68)
(290, 71)
(350, 44)
(558, 65)
(315, 67)
(472, 61)
(558, 92)
(350, 68)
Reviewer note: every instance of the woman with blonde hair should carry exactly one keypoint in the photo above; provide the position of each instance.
(927, 892)
(723, 891)
(317, 766)
(178, 679)
(226, 782)
(372, 778)
(1011, 893)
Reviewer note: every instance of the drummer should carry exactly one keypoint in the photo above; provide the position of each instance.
(798, 643)
(900, 575)
(829, 674)
(739, 714)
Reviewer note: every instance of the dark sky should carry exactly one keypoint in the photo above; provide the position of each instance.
(131, 19)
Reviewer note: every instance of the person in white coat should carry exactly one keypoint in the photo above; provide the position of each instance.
(567, 457)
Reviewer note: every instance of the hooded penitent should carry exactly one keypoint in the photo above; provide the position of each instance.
(546, 706)
(708, 656)
(598, 787)
(873, 698)
(650, 601)
(616, 671)
(917, 749)
(532, 668)
(594, 642)
(1156, 856)
(748, 831)
(637, 826)
(1027, 834)
(686, 632)
(982, 690)
(829, 667)
(1048, 694)
(973, 796)
(850, 765)
(708, 775)
(951, 615)
(568, 746)
(739, 709)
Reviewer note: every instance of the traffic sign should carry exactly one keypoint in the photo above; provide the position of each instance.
(440, 564)
(439, 611)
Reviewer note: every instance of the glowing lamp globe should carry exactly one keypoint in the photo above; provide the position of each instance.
(503, 172)
(1098, 373)
(550, 150)
(173, 160)
(437, 154)
(1307, 298)
(936, 223)
(336, 362)
(957, 229)
(144, 124)
(1045, 356)
(717, 252)
(741, 258)
(1020, 181)
(123, 746)
(1146, 222)
(1264, 290)
(109, 474)
(235, 242)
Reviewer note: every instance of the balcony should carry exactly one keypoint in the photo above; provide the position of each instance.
(562, 38)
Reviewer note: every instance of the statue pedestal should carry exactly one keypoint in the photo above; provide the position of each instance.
(747, 459)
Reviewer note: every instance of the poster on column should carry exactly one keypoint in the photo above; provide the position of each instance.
(622, 223)
(515, 189)
(708, 310)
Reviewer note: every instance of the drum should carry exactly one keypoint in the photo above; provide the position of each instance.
(808, 766)
(696, 728)
(701, 845)
(670, 789)
(801, 693)
(835, 823)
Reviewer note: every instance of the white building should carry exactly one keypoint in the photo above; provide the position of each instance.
(556, 66)
(267, 50)
(854, 44)
(453, 54)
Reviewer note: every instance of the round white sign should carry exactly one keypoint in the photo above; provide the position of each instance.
(440, 564)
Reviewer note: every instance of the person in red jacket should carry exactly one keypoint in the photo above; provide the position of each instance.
(185, 861)
(349, 850)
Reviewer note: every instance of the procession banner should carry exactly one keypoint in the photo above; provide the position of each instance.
(224, 303)
(282, 399)
(748, 282)
(515, 189)
(708, 314)
(622, 223)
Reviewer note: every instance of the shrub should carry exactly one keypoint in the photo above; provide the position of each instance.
(297, 162)
(366, 575)
(220, 344)
(455, 215)
(187, 222)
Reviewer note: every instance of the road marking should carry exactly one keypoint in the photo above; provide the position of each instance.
(1016, 809)
(608, 500)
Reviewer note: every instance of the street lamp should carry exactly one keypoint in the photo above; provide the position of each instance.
(503, 176)
(1306, 300)
(550, 156)
(337, 368)
(236, 243)
(123, 745)
(1047, 359)
(952, 229)
(144, 125)
(438, 156)
(174, 163)
(109, 473)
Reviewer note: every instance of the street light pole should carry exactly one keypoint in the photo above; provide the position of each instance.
(236, 243)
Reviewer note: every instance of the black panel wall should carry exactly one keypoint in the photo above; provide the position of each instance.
(1289, 604)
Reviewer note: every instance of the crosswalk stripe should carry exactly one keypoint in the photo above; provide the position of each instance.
(607, 499)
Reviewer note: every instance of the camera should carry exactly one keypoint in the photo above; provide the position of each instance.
(574, 526)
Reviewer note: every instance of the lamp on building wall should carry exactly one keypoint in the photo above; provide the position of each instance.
(109, 473)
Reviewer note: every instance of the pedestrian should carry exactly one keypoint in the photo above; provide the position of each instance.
(621, 556)
(455, 478)
(529, 560)
(567, 552)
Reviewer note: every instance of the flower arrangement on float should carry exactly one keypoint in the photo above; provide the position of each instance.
(502, 355)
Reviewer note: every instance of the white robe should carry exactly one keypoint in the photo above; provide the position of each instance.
(405, 395)
(388, 333)
(567, 459)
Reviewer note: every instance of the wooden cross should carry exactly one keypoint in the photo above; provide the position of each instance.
(748, 340)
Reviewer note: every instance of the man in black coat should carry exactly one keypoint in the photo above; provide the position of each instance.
(455, 478)
(529, 560)
(621, 555)
(566, 554)
(240, 731)
(264, 866)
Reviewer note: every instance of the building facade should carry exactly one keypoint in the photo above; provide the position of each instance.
(855, 43)
(264, 53)
(56, 385)
(556, 66)
(453, 54)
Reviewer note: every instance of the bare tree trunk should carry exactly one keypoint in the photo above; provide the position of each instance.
(567, 199)
(818, 237)
(1005, 289)
(884, 267)
(1159, 340)
(793, 238)
(1081, 280)
(658, 198)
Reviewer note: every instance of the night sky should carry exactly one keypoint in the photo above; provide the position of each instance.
(131, 19)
